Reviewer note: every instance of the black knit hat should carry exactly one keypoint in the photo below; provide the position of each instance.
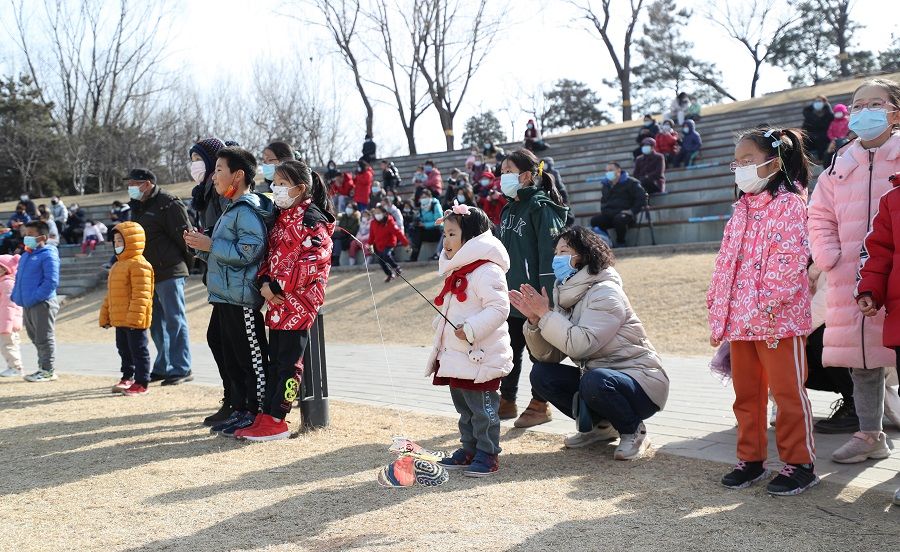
(207, 150)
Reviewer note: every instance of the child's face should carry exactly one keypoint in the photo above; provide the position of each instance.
(34, 233)
(452, 237)
(118, 240)
(748, 153)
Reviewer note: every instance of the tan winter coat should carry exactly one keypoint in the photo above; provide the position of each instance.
(594, 325)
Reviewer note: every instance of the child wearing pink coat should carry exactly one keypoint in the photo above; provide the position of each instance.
(10, 318)
(759, 302)
(840, 215)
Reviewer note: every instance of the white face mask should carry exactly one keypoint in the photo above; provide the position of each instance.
(281, 196)
(379, 217)
(198, 171)
(349, 211)
(748, 179)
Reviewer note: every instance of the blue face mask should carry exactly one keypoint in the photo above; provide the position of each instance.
(869, 124)
(134, 192)
(268, 170)
(428, 168)
(818, 105)
(509, 184)
(562, 267)
(646, 150)
(611, 176)
(30, 242)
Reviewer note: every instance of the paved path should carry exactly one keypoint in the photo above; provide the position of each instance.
(696, 423)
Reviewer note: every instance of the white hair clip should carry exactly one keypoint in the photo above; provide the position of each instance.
(769, 134)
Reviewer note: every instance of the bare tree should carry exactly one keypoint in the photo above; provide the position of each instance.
(755, 24)
(101, 69)
(341, 18)
(400, 61)
(621, 63)
(451, 45)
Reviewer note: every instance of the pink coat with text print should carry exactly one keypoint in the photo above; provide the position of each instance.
(843, 205)
(759, 289)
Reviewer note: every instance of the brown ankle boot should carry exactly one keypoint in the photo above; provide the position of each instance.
(537, 413)
(507, 410)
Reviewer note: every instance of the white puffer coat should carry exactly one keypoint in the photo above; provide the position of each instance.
(485, 310)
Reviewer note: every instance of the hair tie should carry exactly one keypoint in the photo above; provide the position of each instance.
(540, 169)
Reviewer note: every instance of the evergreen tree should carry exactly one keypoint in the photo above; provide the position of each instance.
(483, 128)
(570, 105)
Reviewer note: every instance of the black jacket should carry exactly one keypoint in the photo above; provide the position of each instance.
(164, 218)
(627, 195)
(816, 123)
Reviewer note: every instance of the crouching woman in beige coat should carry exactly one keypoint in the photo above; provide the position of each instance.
(618, 381)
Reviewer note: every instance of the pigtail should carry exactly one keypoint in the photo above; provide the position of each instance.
(794, 160)
(320, 194)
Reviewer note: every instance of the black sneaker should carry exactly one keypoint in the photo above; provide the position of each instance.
(157, 377)
(793, 480)
(220, 416)
(246, 420)
(232, 418)
(178, 380)
(843, 418)
(744, 474)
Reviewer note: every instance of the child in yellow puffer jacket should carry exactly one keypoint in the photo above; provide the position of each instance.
(128, 307)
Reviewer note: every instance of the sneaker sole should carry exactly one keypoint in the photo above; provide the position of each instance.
(454, 467)
(591, 441)
(746, 484)
(276, 437)
(479, 474)
(42, 380)
(796, 491)
(525, 425)
(863, 457)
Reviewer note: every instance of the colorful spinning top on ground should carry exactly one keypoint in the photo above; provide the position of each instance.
(415, 465)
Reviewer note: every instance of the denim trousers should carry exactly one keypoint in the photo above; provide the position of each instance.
(169, 330)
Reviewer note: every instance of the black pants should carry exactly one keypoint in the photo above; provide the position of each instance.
(423, 235)
(509, 384)
(237, 339)
(285, 370)
(821, 378)
(620, 221)
(386, 257)
(133, 348)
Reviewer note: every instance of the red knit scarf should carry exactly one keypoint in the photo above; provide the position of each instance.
(456, 283)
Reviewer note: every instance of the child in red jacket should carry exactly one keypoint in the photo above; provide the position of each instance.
(384, 234)
(879, 284)
(292, 281)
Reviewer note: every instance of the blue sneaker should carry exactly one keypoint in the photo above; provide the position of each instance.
(244, 422)
(482, 465)
(460, 459)
(235, 416)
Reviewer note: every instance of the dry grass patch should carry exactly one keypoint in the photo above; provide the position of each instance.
(668, 293)
(90, 471)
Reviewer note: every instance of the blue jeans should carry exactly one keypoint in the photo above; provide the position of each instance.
(169, 330)
(609, 394)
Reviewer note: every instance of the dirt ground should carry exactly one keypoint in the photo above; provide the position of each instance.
(86, 470)
(669, 295)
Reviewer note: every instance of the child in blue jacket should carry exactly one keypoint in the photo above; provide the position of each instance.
(35, 291)
(690, 145)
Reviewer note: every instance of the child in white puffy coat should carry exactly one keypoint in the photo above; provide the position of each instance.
(473, 353)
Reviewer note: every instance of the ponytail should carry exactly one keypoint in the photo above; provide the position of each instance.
(548, 185)
(320, 194)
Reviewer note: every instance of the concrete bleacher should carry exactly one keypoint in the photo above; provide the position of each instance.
(699, 198)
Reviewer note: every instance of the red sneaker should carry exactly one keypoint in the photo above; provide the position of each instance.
(256, 420)
(265, 428)
(122, 385)
(135, 390)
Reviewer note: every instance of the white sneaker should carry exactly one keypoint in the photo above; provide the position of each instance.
(11, 373)
(602, 432)
(41, 376)
(861, 447)
(773, 414)
(632, 445)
